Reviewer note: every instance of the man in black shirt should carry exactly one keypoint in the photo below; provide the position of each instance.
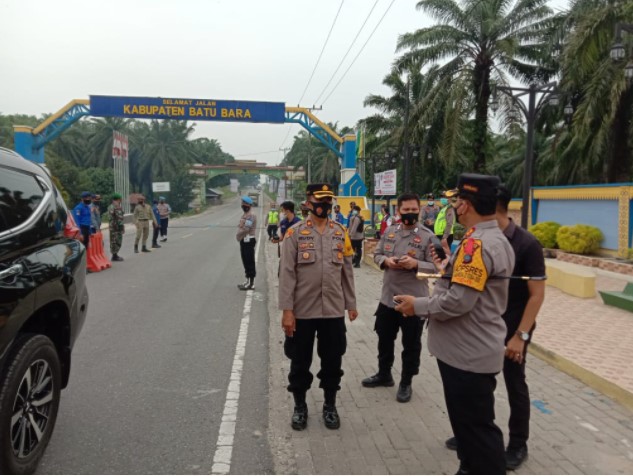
(524, 302)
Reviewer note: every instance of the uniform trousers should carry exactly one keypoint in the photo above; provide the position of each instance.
(164, 222)
(155, 235)
(470, 403)
(388, 322)
(247, 250)
(142, 229)
(116, 239)
(331, 345)
(272, 230)
(85, 233)
(357, 245)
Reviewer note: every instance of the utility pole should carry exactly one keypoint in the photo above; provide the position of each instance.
(285, 151)
(407, 171)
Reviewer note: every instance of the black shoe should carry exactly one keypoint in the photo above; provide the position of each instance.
(378, 380)
(404, 393)
(515, 457)
(330, 417)
(164, 240)
(135, 248)
(451, 443)
(156, 245)
(116, 257)
(300, 418)
(145, 250)
(357, 266)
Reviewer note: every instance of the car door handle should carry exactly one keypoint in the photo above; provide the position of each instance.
(14, 270)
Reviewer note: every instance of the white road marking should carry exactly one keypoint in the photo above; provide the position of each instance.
(226, 436)
(186, 236)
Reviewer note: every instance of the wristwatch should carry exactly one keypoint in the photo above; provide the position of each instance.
(525, 336)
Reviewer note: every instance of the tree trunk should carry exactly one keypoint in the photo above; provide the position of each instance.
(482, 95)
(619, 165)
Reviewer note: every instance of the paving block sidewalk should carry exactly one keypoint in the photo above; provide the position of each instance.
(575, 429)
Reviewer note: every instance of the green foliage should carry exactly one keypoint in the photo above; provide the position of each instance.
(545, 232)
(181, 193)
(458, 231)
(581, 239)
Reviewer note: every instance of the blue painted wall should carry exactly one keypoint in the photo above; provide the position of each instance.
(600, 213)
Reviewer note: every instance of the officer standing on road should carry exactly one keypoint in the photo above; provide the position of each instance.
(95, 210)
(466, 330)
(246, 237)
(402, 252)
(83, 217)
(316, 286)
(445, 222)
(524, 302)
(116, 226)
(143, 214)
(272, 221)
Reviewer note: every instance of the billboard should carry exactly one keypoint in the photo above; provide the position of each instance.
(160, 187)
(385, 183)
(187, 109)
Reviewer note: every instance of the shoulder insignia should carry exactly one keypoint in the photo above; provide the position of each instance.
(309, 223)
(331, 224)
(469, 232)
(290, 232)
(469, 268)
(348, 250)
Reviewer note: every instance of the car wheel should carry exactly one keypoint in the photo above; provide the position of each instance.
(29, 400)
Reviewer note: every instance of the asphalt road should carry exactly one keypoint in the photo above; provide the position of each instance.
(152, 365)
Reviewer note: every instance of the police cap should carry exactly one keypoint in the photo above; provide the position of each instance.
(248, 200)
(86, 195)
(476, 184)
(319, 190)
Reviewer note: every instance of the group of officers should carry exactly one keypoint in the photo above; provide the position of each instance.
(480, 317)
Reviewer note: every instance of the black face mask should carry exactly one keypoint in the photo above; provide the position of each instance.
(87, 202)
(245, 208)
(409, 218)
(321, 209)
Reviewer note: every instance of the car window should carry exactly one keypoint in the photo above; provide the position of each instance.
(20, 194)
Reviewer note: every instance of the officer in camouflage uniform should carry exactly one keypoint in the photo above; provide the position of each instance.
(316, 287)
(117, 227)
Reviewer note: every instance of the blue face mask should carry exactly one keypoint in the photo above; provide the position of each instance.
(444, 201)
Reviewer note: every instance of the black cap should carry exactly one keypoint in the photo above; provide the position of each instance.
(477, 185)
(319, 190)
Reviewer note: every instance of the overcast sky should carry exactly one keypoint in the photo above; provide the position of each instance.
(52, 51)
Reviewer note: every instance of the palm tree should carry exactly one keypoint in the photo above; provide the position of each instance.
(100, 138)
(480, 41)
(602, 131)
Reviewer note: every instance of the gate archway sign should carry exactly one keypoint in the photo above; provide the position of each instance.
(30, 142)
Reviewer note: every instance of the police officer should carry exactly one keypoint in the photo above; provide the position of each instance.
(116, 226)
(272, 221)
(402, 252)
(143, 214)
(83, 216)
(466, 330)
(246, 237)
(445, 222)
(316, 286)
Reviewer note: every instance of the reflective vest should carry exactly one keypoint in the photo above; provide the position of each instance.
(273, 217)
(379, 221)
(440, 222)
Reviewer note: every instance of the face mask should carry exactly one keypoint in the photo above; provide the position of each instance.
(444, 201)
(457, 214)
(321, 209)
(355, 212)
(87, 201)
(431, 203)
(245, 208)
(282, 216)
(409, 218)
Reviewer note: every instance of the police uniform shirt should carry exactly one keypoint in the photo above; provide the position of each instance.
(398, 242)
(316, 278)
(144, 213)
(357, 221)
(247, 226)
(466, 330)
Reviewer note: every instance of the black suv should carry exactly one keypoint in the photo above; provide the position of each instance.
(43, 304)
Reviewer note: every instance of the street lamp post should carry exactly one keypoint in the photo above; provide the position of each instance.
(549, 95)
(618, 50)
(373, 190)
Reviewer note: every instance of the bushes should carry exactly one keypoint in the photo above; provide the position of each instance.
(545, 233)
(582, 239)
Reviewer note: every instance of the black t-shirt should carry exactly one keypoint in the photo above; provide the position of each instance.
(529, 261)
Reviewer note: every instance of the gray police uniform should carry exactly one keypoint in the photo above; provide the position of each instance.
(316, 281)
(466, 334)
(246, 236)
(398, 242)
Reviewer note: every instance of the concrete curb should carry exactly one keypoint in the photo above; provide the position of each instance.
(602, 385)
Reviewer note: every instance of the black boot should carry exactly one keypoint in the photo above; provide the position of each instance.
(381, 379)
(330, 417)
(300, 417)
(156, 245)
(404, 392)
(145, 250)
(135, 248)
(116, 257)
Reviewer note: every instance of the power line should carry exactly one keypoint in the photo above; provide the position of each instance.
(348, 50)
(322, 50)
(361, 50)
(327, 39)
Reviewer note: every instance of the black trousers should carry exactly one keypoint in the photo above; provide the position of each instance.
(247, 250)
(164, 222)
(155, 235)
(388, 322)
(331, 346)
(470, 403)
(357, 245)
(85, 233)
(272, 230)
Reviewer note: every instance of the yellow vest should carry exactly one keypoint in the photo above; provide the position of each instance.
(440, 222)
(273, 217)
(380, 217)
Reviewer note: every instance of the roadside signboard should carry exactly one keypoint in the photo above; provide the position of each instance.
(385, 183)
(160, 187)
